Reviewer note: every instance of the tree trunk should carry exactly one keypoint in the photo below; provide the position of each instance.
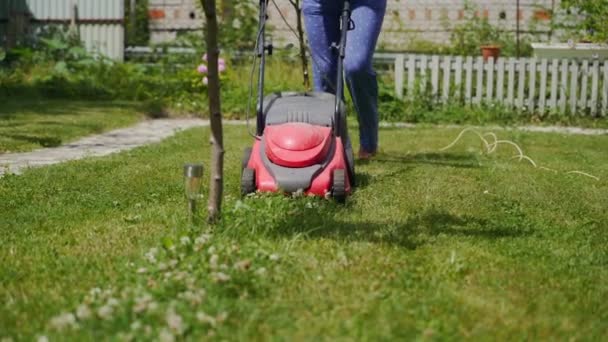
(215, 114)
(300, 28)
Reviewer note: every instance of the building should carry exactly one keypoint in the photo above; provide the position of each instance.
(406, 20)
(99, 24)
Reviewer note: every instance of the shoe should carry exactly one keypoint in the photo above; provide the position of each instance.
(364, 155)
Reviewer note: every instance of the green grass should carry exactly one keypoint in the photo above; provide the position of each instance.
(432, 245)
(30, 124)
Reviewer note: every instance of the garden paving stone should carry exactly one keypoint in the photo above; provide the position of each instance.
(146, 132)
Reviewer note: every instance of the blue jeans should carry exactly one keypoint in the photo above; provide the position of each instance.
(322, 21)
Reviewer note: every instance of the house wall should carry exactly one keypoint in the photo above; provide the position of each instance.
(405, 22)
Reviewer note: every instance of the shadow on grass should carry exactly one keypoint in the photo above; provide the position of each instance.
(326, 220)
(461, 160)
(39, 140)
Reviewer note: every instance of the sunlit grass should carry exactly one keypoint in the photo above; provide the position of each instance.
(27, 124)
(432, 245)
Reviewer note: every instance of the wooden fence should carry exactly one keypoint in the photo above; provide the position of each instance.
(530, 84)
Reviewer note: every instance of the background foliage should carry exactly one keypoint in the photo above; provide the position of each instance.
(585, 19)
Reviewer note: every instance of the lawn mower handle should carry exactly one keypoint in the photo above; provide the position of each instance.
(345, 25)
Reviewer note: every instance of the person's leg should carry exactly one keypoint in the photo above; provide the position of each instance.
(322, 21)
(321, 18)
(367, 16)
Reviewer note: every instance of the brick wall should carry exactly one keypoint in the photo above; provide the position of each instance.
(405, 21)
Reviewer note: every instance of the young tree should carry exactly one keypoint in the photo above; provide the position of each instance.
(215, 113)
(300, 35)
(301, 41)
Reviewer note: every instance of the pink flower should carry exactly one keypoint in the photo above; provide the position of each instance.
(205, 57)
(221, 61)
(221, 67)
(202, 69)
(205, 80)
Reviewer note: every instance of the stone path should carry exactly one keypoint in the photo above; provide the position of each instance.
(152, 131)
(144, 133)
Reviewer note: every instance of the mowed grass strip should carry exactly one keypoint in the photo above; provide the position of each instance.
(436, 245)
(30, 124)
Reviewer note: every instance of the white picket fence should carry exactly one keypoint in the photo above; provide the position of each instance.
(530, 84)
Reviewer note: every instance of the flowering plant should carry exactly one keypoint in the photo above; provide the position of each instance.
(203, 69)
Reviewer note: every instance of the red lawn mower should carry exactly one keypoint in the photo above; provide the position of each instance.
(301, 141)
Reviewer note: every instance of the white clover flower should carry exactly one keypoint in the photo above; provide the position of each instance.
(204, 318)
(94, 292)
(190, 282)
(142, 270)
(112, 302)
(83, 312)
(151, 255)
(142, 303)
(64, 320)
(105, 312)
(220, 277)
(260, 271)
(221, 317)
(172, 263)
(107, 292)
(42, 338)
(273, 257)
(152, 306)
(166, 336)
(211, 250)
(174, 322)
(193, 297)
(202, 240)
(243, 265)
(136, 325)
(184, 240)
(213, 261)
(179, 276)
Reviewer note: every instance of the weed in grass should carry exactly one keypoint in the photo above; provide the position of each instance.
(187, 287)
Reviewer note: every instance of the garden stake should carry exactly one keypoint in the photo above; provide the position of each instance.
(192, 186)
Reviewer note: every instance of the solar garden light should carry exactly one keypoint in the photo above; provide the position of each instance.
(192, 186)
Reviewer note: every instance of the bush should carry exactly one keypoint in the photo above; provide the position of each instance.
(475, 31)
(584, 19)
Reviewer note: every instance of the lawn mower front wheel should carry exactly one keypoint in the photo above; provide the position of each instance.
(338, 191)
(247, 181)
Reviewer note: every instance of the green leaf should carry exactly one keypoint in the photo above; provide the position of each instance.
(61, 68)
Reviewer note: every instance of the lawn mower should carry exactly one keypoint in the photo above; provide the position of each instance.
(301, 141)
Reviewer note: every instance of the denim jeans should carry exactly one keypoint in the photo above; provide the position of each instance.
(322, 21)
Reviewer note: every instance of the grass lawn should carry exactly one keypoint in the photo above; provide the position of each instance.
(432, 245)
(27, 125)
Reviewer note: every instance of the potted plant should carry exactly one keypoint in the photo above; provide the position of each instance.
(489, 37)
(490, 50)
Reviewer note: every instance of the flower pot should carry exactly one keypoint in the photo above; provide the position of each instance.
(488, 51)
